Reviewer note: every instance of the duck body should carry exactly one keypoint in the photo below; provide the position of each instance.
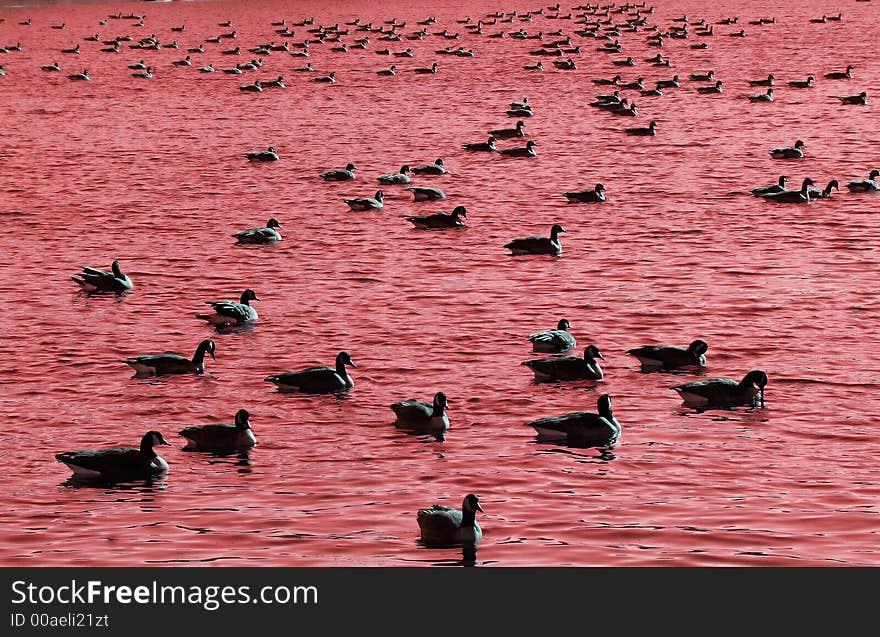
(538, 245)
(317, 380)
(426, 193)
(723, 392)
(595, 195)
(554, 341)
(419, 416)
(789, 152)
(262, 236)
(581, 427)
(522, 151)
(94, 281)
(870, 184)
(118, 463)
(440, 220)
(221, 437)
(171, 363)
(442, 526)
(436, 168)
(671, 356)
(230, 313)
(769, 190)
(564, 368)
(367, 203)
(398, 178)
(792, 196)
(346, 174)
(507, 133)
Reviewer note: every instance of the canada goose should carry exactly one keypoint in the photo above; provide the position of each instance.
(568, 367)
(396, 178)
(426, 193)
(642, 131)
(793, 152)
(861, 98)
(808, 83)
(419, 416)
(345, 174)
(870, 184)
(768, 190)
(94, 281)
(270, 154)
(442, 526)
(522, 151)
(768, 82)
(792, 196)
(367, 203)
(815, 193)
(437, 168)
(487, 146)
(841, 75)
(554, 341)
(594, 195)
(724, 392)
(118, 463)
(671, 356)
(220, 437)
(230, 313)
(171, 363)
(317, 380)
(538, 245)
(507, 133)
(265, 235)
(581, 427)
(440, 220)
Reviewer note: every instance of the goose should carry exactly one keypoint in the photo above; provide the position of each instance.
(118, 463)
(612, 82)
(270, 154)
(265, 235)
(627, 62)
(387, 72)
(815, 193)
(207, 69)
(792, 196)
(179, 29)
(538, 245)
(230, 313)
(233, 71)
(328, 79)
(419, 416)
(507, 133)
(426, 193)
(94, 281)
(74, 50)
(396, 178)
(172, 363)
(762, 97)
(147, 74)
(221, 437)
(523, 151)
(317, 380)
(595, 195)
(866, 185)
(671, 356)
(838, 17)
(196, 49)
(93, 38)
(534, 67)
(440, 220)
(724, 392)
(305, 69)
(841, 75)
(738, 34)
(608, 101)
(367, 203)
(808, 83)
(637, 85)
(656, 91)
(276, 83)
(487, 146)
(821, 20)
(709, 76)
(769, 190)
(424, 71)
(345, 174)
(80, 76)
(254, 88)
(793, 152)
(444, 527)
(565, 65)
(642, 131)
(701, 45)
(235, 51)
(436, 168)
(581, 427)
(554, 341)
(52, 67)
(184, 62)
(768, 82)
(861, 98)
(404, 54)
(568, 367)
(711, 89)
(673, 83)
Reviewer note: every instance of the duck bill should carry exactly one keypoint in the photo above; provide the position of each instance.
(351, 363)
(479, 508)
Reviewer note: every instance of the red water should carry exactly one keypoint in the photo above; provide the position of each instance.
(152, 173)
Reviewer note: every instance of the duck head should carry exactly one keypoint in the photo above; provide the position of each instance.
(471, 504)
(343, 358)
(273, 223)
(242, 419)
(563, 324)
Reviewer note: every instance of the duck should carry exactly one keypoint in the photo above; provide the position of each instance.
(440, 220)
(671, 356)
(328, 79)
(650, 130)
(794, 152)
(419, 416)
(94, 281)
(581, 427)
(769, 190)
(444, 527)
(808, 83)
(253, 88)
(367, 203)
(507, 133)
(792, 196)
(230, 313)
(425, 71)
(317, 380)
(841, 75)
(815, 193)
(768, 82)
(554, 341)
(426, 193)
(221, 437)
(595, 195)
(724, 392)
(762, 97)
(387, 72)
(345, 174)
(861, 98)
(866, 185)
(80, 76)
(568, 367)
(172, 363)
(52, 67)
(265, 235)
(437, 168)
(270, 154)
(396, 178)
(487, 146)
(522, 151)
(118, 463)
(538, 245)
(711, 89)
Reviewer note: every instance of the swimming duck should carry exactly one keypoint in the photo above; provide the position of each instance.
(52, 67)
(671, 356)
(768, 82)
(568, 367)
(792, 196)
(229, 313)
(329, 79)
(523, 151)
(396, 178)
(221, 436)
(346, 174)
(808, 83)
(841, 75)
(815, 193)
(487, 146)
(436, 168)
(711, 89)
(387, 72)
(769, 190)
(442, 526)
(724, 392)
(172, 363)
(861, 98)
(270, 154)
(595, 195)
(426, 193)
(762, 97)
(118, 463)
(650, 130)
(538, 245)
(420, 416)
(507, 133)
(440, 220)
(367, 203)
(866, 185)
(94, 281)
(265, 235)
(317, 380)
(581, 427)
(794, 152)
(432, 70)
(554, 341)
(80, 76)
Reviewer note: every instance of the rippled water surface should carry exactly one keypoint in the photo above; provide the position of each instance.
(152, 173)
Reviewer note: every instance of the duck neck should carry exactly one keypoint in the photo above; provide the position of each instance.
(340, 368)
(147, 447)
(198, 358)
(438, 410)
(468, 517)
